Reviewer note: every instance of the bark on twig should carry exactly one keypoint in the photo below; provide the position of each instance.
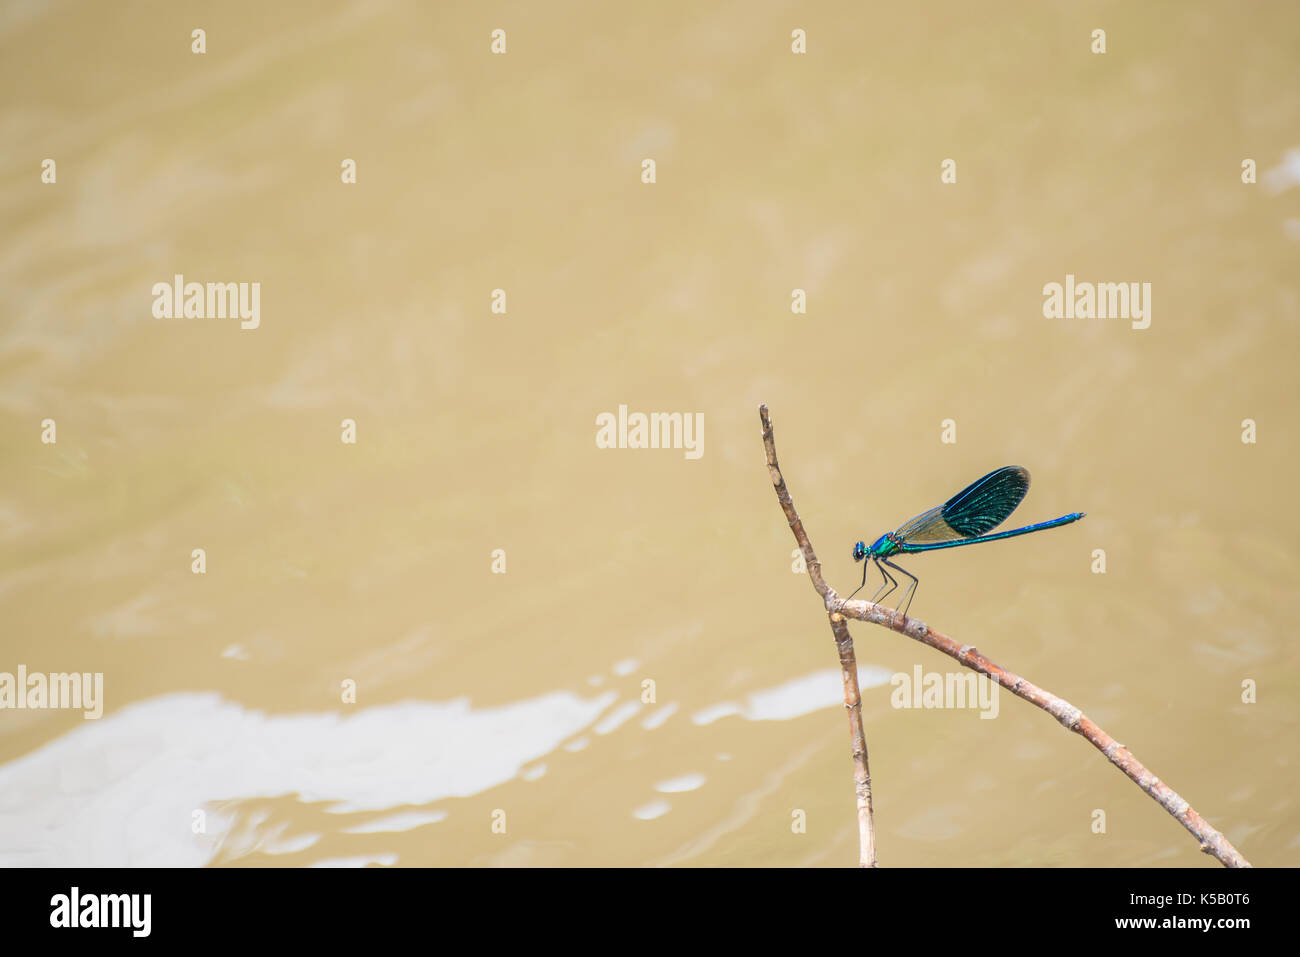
(1212, 842)
(843, 644)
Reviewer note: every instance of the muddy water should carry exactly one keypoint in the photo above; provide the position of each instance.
(645, 680)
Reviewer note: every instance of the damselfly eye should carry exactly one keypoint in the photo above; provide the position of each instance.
(859, 552)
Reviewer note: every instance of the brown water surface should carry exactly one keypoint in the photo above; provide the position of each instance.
(517, 697)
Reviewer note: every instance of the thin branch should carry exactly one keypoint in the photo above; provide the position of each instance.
(1212, 842)
(843, 644)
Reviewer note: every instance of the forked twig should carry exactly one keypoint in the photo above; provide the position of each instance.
(843, 643)
(1212, 842)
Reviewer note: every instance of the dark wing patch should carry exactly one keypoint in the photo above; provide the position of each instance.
(984, 505)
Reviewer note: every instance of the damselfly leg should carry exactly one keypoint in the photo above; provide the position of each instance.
(911, 589)
(882, 591)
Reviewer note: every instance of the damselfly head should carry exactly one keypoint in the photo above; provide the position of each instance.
(859, 551)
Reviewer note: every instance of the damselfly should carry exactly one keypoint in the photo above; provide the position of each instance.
(965, 519)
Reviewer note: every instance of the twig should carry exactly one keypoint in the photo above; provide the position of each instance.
(843, 644)
(1212, 842)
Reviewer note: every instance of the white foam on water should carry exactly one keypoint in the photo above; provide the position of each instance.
(122, 791)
